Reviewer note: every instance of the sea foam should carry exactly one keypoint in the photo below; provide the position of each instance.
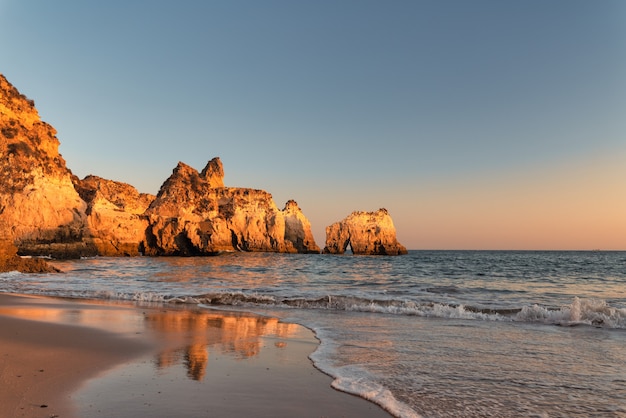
(355, 380)
(594, 312)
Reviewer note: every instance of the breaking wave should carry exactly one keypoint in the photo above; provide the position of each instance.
(593, 312)
(580, 312)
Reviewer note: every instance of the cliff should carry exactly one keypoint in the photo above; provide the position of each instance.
(46, 210)
(367, 233)
(39, 206)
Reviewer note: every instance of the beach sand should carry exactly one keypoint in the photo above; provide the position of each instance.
(64, 358)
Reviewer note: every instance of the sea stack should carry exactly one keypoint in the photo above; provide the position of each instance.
(367, 233)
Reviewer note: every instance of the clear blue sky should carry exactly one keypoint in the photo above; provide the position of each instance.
(477, 124)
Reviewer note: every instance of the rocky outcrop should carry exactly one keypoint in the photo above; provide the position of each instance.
(115, 225)
(367, 233)
(298, 229)
(45, 210)
(10, 261)
(213, 173)
(193, 214)
(38, 203)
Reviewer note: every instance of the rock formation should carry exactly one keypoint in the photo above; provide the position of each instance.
(114, 225)
(10, 261)
(367, 233)
(193, 214)
(298, 229)
(38, 203)
(213, 173)
(46, 210)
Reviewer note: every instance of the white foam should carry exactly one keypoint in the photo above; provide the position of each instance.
(356, 381)
(183, 299)
(13, 273)
(434, 310)
(594, 312)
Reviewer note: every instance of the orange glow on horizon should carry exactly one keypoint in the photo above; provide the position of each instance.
(579, 206)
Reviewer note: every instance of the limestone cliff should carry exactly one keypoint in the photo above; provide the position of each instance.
(193, 214)
(367, 233)
(115, 225)
(38, 202)
(46, 210)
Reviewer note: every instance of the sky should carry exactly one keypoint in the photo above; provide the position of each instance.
(477, 124)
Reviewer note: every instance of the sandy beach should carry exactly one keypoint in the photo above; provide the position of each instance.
(65, 358)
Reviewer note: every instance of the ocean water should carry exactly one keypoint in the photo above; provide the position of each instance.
(432, 333)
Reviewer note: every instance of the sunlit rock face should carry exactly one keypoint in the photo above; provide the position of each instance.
(367, 233)
(45, 210)
(48, 211)
(298, 229)
(213, 173)
(115, 224)
(193, 214)
(38, 203)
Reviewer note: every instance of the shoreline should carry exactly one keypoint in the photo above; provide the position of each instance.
(75, 358)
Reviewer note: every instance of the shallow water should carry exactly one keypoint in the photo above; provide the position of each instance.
(433, 333)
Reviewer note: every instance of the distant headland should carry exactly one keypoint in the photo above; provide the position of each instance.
(45, 210)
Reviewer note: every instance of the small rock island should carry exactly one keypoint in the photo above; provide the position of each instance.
(366, 233)
(45, 210)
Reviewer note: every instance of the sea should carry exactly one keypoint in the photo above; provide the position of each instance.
(428, 334)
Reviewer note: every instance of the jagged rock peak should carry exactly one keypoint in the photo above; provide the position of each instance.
(182, 185)
(184, 171)
(15, 105)
(185, 179)
(291, 205)
(25, 140)
(367, 233)
(213, 173)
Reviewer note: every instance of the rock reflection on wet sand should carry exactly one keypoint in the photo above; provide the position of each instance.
(189, 335)
(182, 361)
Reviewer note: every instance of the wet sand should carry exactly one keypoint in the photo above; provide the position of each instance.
(64, 358)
